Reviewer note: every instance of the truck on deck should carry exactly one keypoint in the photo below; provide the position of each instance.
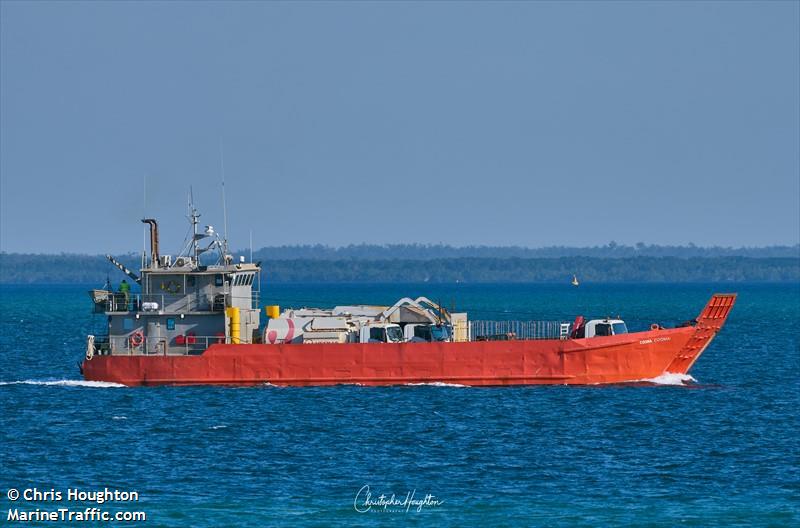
(408, 320)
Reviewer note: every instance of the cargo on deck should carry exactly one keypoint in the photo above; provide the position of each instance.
(196, 319)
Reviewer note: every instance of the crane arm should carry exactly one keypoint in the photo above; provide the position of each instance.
(124, 270)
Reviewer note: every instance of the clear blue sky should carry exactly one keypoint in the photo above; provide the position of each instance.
(497, 123)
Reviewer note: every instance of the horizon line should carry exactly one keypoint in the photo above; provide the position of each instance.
(418, 245)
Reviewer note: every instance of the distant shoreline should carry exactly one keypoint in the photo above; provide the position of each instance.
(85, 269)
(443, 251)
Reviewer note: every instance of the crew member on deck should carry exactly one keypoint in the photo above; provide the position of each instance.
(125, 290)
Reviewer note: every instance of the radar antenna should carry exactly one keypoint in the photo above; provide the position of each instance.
(192, 249)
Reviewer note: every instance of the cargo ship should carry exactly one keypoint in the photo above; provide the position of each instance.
(196, 320)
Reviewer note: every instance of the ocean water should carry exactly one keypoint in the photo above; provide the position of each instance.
(720, 450)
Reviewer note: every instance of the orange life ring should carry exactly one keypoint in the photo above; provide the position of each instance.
(137, 338)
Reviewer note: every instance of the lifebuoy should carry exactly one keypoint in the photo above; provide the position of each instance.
(137, 338)
(655, 326)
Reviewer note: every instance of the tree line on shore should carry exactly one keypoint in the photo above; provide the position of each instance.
(441, 251)
(16, 268)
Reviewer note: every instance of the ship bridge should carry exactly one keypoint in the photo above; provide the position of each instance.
(183, 307)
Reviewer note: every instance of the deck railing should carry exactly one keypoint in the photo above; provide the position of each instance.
(144, 302)
(509, 330)
(192, 345)
(156, 346)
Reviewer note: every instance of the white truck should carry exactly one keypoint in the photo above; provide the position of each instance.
(415, 320)
(321, 329)
(381, 333)
(426, 333)
(600, 327)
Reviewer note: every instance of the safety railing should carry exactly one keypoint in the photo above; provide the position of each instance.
(155, 302)
(511, 330)
(137, 345)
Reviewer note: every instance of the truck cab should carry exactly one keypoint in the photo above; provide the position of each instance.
(381, 333)
(426, 333)
(604, 327)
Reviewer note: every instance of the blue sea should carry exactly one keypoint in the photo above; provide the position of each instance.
(721, 450)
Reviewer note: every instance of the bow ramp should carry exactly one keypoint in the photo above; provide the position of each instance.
(709, 322)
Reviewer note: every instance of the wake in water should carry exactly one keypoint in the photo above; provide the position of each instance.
(64, 383)
(670, 378)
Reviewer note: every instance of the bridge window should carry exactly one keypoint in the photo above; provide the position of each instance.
(620, 328)
(243, 279)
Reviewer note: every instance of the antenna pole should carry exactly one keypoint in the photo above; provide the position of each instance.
(224, 202)
(144, 215)
(251, 245)
(193, 215)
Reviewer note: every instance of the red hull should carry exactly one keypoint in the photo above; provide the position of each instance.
(613, 359)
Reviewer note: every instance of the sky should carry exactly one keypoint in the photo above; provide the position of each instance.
(529, 124)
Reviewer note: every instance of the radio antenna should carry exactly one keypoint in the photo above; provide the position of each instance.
(224, 202)
(144, 215)
(193, 216)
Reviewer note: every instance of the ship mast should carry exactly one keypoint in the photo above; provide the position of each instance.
(193, 216)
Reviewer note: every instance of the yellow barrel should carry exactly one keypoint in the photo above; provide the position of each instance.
(236, 327)
(273, 311)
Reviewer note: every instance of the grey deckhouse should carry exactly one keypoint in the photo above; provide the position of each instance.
(185, 304)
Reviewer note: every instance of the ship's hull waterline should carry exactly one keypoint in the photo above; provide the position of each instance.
(599, 360)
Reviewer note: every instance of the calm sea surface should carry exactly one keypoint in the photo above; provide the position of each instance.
(723, 450)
